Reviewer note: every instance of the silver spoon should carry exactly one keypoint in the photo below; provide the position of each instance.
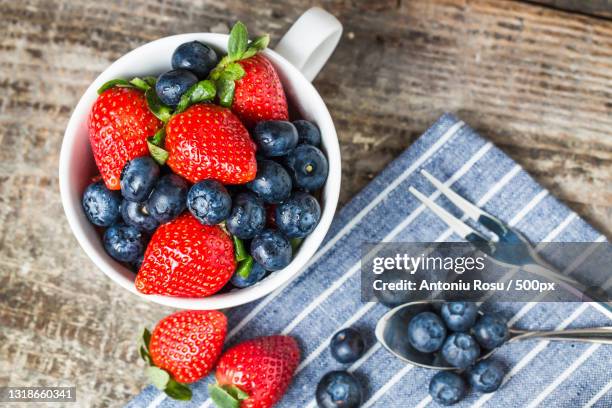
(392, 328)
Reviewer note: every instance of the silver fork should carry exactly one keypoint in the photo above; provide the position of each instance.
(522, 254)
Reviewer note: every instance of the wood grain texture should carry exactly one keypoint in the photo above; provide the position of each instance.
(535, 80)
(602, 8)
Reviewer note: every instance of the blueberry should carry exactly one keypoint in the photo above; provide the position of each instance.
(392, 298)
(275, 138)
(426, 332)
(308, 133)
(168, 198)
(490, 331)
(459, 316)
(298, 216)
(101, 205)
(124, 243)
(486, 376)
(347, 345)
(460, 350)
(272, 182)
(196, 57)
(447, 388)
(255, 275)
(338, 389)
(271, 249)
(209, 202)
(137, 263)
(137, 215)
(171, 85)
(138, 178)
(308, 167)
(248, 216)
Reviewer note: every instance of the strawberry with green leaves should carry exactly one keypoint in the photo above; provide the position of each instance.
(248, 82)
(182, 349)
(119, 124)
(187, 259)
(255, 373)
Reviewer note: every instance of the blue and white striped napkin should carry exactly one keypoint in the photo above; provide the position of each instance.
(326, 295)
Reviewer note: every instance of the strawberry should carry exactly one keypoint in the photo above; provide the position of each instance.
(259, 94)
(119, 124)
(255, 373)
(248, 82)
(183, 348)
(209, 142)
(186, 258)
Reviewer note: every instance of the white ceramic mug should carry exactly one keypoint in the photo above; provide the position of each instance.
(300, 55)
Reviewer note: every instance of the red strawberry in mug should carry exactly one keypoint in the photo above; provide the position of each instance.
(248, 82)
(209, 142)
(119, 124)
(188, 259)
(183, 348)
(255, 373)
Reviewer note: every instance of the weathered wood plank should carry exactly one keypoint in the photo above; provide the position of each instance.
(601, 8)
(535, 80)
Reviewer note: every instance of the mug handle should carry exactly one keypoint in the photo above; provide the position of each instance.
(310, 41)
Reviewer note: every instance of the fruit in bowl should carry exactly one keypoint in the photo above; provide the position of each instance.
(191, 163)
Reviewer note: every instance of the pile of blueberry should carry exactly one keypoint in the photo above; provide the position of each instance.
(458, 334)
(340, 389)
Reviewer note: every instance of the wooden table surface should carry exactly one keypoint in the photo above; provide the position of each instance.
(535, 79)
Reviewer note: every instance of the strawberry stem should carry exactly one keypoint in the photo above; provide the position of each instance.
(226, 396)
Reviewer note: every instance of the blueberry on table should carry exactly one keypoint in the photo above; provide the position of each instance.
(168, 198)
(101, 205)
(308, 133)
(347, 346)
(256, 273)
(426, 332)
(196, 57)
(124, 242)
(459, 316)
(393, 298)
(248, 216)
(138, 178)
(171, 85)
(137, 215)
(447, 388)
(298, 216)
(308, 167)
(275, 138)
(490, 331)
(209, 202)
(271, 249)
(338, 389)
(486, 376)
(272, 182)
(460, 350)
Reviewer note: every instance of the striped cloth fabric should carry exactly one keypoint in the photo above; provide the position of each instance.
(326, 295)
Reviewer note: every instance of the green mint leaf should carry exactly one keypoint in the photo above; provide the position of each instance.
(178, 391)
(146, 337)
(221, 397)
(156, 106)
(113, 83)
(232, 72)
(245, 267)
(159, 154)
(236, 392)
(158, 377)
(140, 84)
(226, 92)
(238, 40)
(240, 251)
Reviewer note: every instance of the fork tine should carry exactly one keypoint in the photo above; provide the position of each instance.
(467, 207)
(454, 223)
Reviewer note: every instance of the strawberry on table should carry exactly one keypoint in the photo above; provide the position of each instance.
(182, 349)
(185, 258)
(255, 373)
(209, 142)
(248, 82)
(119, 124)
